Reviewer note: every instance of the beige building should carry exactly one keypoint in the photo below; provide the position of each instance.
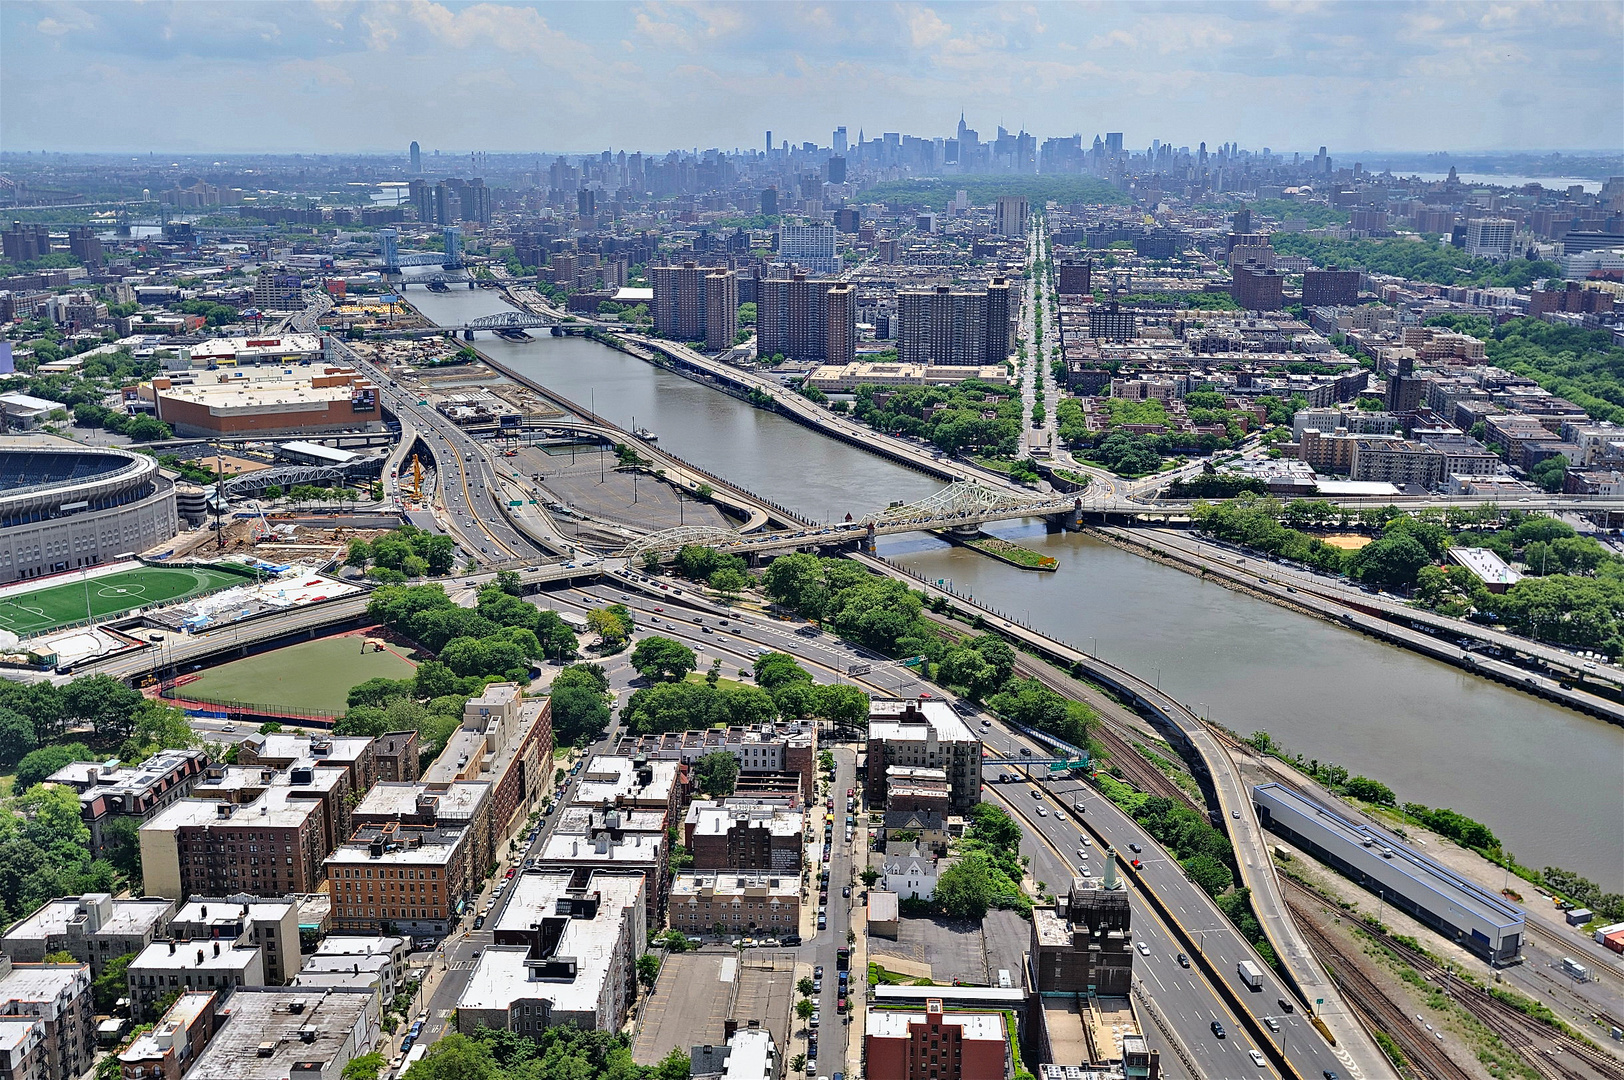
(49, 1006)
(738, 902)
(93, 929)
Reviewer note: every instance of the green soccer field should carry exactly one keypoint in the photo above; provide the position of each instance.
(71, 601)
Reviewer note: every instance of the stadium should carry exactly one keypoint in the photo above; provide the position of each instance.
(65, 507)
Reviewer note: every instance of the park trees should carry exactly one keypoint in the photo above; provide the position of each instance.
(612, 624)
(663, 659)
(580, 702)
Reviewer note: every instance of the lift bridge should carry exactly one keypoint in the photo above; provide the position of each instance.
(963, 506)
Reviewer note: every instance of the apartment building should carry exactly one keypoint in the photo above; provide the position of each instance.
(464, 803)
(1397, 461)
(787, 750)
(93, 929)
(935, 1044)
(795, 316)
(110, 790)
(739, 835)
(50, 1017)
(169, 1048)
(610, 849)
(564, 951)
(506, 741)
(955, 327)
(738, 902)
(193, 965)
(272, 926)
(401, 879)
(245, 830)
(923, 733)
(282, 1032)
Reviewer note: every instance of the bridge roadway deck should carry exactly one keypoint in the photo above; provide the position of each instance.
(1239, 817)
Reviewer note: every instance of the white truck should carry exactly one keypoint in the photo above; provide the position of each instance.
(1250, 975)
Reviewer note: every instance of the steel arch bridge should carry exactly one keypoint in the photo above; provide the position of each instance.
(508, 320)
(286, 476)
(966, 500)
(670, 540)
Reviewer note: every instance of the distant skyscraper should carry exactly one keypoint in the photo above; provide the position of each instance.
(769, 140)
(389, 248)
(417, 157)
(838, 143)
(837, 169)
(1113, 142)
(769, 202)
(453, 244)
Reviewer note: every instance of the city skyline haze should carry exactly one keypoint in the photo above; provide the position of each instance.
(570, 77)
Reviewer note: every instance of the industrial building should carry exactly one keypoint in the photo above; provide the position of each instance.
(1473, 918)
(65, 506)
(262, 401)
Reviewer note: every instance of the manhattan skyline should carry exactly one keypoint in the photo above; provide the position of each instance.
(369, 77)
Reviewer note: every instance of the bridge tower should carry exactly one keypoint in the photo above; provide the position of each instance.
(1071, 520)
(452, 235)
(868, 545)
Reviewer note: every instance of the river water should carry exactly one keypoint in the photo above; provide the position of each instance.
(1548, 781)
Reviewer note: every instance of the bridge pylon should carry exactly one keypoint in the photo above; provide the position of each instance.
(868, 545)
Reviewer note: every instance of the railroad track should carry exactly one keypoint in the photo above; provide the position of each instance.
(1118, 743)
(1523, 1033)
(1374, 1007)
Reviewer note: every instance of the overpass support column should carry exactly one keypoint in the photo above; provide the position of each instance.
(468, 335)
(867, 545)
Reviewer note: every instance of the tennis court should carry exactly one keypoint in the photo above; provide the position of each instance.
(76, 598)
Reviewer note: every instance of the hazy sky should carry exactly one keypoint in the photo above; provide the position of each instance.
(371, 76)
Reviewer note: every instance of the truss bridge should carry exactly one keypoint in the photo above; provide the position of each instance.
(962, 506)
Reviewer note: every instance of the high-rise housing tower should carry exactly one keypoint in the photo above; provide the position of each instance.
(417, 158)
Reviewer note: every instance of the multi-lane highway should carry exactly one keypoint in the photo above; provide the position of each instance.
(1180, 993)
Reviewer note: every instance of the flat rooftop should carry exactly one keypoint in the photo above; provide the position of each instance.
(893, 1024)
(1366, 842)
(129, 917)
(341, 1023)
(886, 720)
(608, 777)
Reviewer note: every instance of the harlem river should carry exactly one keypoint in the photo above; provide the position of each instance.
(1548, 781)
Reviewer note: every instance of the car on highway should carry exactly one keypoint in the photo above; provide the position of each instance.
(1081, 854)
(1285, 1006)
(1218, 1030)
(1036, 794)
(1135, 848)
(1043, 812)
(1144, 950)
(1184, 960)
(1081, 809)
(1257, 1058)
(1235, 814)
(1268, 1021)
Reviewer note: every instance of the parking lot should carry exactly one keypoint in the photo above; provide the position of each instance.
(689, 1004)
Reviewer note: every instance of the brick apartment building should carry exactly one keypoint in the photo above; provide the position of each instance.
(935, 1044)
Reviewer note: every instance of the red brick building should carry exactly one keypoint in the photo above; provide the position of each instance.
(935, 1045)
